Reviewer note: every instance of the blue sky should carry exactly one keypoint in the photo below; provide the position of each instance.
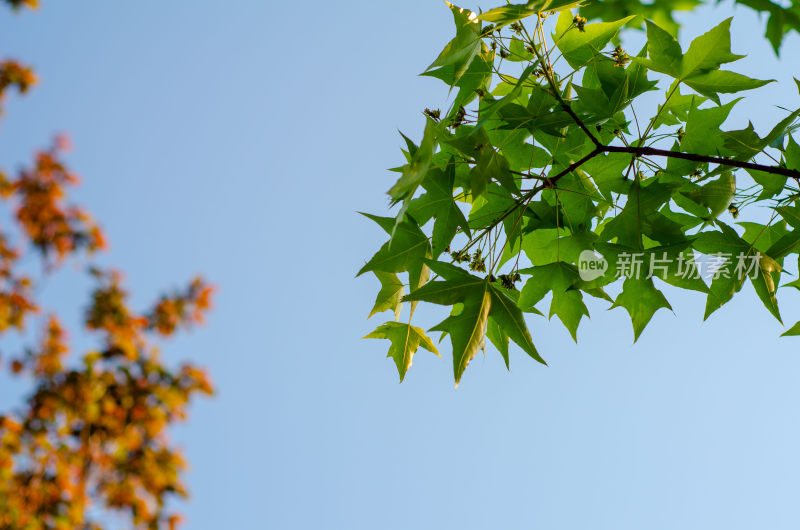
(238, 141)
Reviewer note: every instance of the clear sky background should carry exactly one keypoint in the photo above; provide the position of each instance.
(237, 140)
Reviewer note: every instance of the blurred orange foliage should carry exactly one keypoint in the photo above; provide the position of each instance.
(91, 438)
(16, 4)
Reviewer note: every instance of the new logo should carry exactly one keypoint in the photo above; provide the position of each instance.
(591, 265)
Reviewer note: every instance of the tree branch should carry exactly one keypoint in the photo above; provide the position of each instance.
(651, 151)
(549, 182)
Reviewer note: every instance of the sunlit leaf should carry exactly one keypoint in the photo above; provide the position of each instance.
(406, 339)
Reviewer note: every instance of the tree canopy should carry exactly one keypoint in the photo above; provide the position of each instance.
(550, 177)
(90, 438)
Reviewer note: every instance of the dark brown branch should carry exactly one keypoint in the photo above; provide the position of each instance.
(576, 119)
(549, 182)
(575, 165)
(651, 151)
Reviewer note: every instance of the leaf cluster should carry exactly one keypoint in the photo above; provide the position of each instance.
(543, 156)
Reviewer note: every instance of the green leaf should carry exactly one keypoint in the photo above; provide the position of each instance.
(702, 136)
(641, 217)
(448, 271)
(562, 279)
(715, 195)
(465, 45)
(664, 51)
(477, 76)
(608, 173)
(505, 312)
(709, 51)
(467, 329)
(438, 203)
(545, 246)
(785, 245)
(390, 295)
(498, 337)
(580, 47)
(616, 85)
(406, 339)
(518, 51)
(722, 81)
(793, 331)
(766, 284)
(404, 252)
(772, 184)
(792, 154)
(490, 205)
(491, 165)
(775, 29)
(521, 156)
(777, 134)
(791, 214)
(515, 12)
(677, 106)
(494, 106)
(593, 101)
(641, 300)
(699, 67)
(448, 292)
(565, 149)
(636, 74)
(762, 237)
(743, 144)
(727, 241)
(576, 196)
(415, 171)
(669, 263)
